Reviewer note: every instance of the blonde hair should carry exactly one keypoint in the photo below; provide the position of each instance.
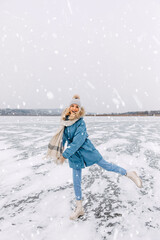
(67, 112)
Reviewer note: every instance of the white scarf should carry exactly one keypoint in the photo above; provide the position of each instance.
(55, 146)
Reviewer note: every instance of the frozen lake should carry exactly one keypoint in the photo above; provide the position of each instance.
(36, 196)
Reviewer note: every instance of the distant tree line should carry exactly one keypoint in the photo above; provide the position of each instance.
(57, 112)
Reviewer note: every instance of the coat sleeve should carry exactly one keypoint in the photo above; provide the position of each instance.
(78, 140)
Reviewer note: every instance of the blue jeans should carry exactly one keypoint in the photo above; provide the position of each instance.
(77, 175)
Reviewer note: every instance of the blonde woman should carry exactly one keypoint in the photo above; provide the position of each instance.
(80, 151)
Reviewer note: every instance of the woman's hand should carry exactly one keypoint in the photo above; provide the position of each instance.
(62, 159)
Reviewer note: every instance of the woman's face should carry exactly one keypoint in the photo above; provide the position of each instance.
(74, 108)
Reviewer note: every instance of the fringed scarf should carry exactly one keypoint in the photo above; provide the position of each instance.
(55, 146)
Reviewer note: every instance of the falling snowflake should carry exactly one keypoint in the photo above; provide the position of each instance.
(50, 95)
(90, 85)
(50, 68)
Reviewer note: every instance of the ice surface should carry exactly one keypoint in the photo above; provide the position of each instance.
(36, 196)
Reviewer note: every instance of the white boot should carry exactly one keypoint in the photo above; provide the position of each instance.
(134, 177)
(79, 211)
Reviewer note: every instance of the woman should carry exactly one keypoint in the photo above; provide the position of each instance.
(80, 152)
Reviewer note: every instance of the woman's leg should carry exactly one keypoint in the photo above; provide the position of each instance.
(79, 211)
(114, 168)
(111, 167)
(77, 183)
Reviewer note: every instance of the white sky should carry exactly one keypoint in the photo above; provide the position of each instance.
(106, 51)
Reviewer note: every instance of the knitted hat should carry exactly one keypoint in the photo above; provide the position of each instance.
(76, 100)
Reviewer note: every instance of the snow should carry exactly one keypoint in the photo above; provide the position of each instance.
(50, 95)
(138, 102)
(90, 85)
(56, 52)
(37, 196)
(69, 7)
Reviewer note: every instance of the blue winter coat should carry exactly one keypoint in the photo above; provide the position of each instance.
(80, 151)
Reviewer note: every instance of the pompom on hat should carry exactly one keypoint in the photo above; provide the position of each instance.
(75, 100)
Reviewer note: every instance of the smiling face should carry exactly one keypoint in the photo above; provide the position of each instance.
(74, 108)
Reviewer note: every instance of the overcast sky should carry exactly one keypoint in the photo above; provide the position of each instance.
(106, 51)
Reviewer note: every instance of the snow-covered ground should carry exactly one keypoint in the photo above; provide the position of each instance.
(36, 196)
